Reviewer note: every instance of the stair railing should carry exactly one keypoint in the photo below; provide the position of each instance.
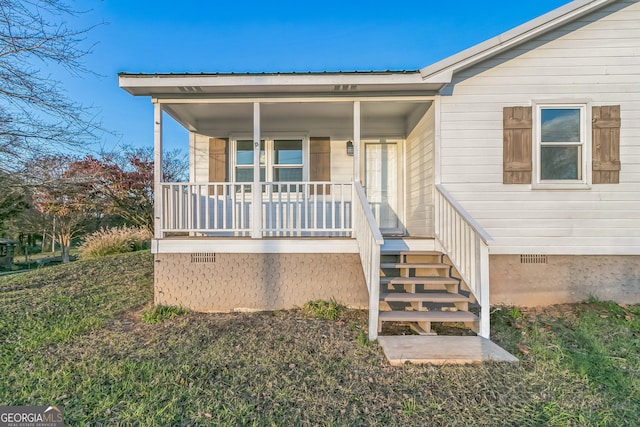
(465, 242)
(369, 238)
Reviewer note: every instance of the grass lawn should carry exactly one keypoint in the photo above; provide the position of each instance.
(73, 335)
(31, 261)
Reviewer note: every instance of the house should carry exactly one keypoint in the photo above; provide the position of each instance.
(506, 174)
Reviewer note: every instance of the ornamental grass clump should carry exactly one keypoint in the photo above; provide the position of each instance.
(115, 240)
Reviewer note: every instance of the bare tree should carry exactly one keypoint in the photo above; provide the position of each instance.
(36, 116)
(13, 198)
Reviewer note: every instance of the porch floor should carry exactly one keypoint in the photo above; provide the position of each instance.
(442, 350)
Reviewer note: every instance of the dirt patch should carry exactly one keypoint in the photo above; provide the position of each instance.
(552, 311)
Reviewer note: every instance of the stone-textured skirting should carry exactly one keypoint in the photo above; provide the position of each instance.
(564, 279)
(224, 282)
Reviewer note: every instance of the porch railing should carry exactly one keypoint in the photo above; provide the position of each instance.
(465, 243)
(300, 208)
(369, 238)
(287, 208)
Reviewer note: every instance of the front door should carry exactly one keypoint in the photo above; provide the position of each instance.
(382, 184)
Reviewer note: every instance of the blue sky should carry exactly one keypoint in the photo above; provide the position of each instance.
(162, 36)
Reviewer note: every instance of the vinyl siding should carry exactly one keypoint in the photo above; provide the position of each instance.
(419, 177)
(200, 158)
(341, 163)
(595, 58)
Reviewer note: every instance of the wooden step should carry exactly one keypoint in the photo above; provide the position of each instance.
(405, 265)
(421, 321)
(420, 253)
(437, 297)
(427, 316)
(428, 280)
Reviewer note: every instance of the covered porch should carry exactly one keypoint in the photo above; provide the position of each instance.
(283, 155)
(289, 168)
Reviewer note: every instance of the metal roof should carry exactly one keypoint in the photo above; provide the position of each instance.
(278, 73)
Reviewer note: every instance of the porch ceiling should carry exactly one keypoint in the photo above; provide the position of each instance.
(226, 118)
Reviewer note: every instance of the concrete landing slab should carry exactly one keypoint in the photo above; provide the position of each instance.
(442, 350)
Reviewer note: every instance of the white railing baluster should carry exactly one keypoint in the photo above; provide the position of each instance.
(266, 219)
(226, 198)
(323, 206)
(315, 205)
(198, 204)
(300, 208)
(307, 201)
(174, 211)
(333, 207)
(279, 213)
(287, 212)
(180, 212)
(188, 196)
(214, 207)
(238, 210)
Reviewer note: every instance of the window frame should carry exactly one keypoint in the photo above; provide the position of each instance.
(283, 166)
(269, 148)
(584, 183)
(234, 160)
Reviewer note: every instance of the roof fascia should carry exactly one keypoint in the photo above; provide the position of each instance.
(212, 80)
(444, 70)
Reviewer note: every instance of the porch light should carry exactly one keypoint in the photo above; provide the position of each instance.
(349, 148)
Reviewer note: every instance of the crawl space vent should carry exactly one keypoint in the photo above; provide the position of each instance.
(533, 259)
(200, 258)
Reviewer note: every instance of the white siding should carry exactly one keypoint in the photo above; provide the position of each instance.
(596, 58)
(341, 163)
(200, 159)
(419, 177)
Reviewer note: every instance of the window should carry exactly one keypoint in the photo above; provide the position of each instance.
(562, 146)
(287, 160)
(281, 160)
(568, 145)
(244, 161)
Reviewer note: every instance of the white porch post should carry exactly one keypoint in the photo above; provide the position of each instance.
(157, 170)
(256, 212)
(356, 141)
(356, 155)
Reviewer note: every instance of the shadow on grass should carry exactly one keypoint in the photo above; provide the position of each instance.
(592, 360)
(586, 354)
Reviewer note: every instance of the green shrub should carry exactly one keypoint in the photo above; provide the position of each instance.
(160, 313)
(115, 240)
(329, 310)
